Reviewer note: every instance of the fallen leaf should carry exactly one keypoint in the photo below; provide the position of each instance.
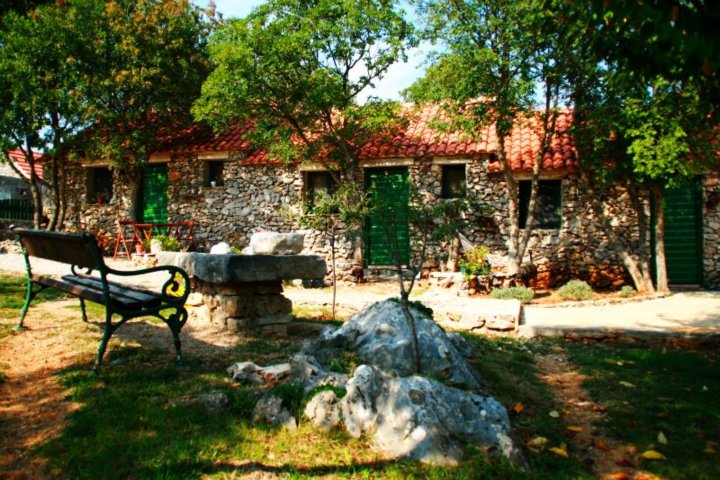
(566, 411)
(601, 444)
(518, 407)
(575, 428)
(653, 455)
(662, 439)
(599, 409)
(646, 476)
(626, 384)
(537, 443)
(560, 451)
(554, 414)
(619, 476)
(625, 463)
(711, 448)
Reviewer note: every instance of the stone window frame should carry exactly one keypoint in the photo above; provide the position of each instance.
(94, 191)
(556, 224)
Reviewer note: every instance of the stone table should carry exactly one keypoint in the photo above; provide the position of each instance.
(243, 292)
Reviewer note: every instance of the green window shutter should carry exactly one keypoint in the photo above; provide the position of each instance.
(391, 188)
(683, 234)
(154, 194)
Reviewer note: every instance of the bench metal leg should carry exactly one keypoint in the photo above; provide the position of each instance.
(28, 299)
(176, 322)
(82, 309)
(107, 333)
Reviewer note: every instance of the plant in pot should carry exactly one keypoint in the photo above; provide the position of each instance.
(475, 262)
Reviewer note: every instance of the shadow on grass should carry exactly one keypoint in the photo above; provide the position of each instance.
(649, 390)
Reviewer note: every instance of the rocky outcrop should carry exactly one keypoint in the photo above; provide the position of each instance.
(380, 336)
(420, 418)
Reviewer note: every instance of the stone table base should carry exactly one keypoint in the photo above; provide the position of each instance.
(243, 293)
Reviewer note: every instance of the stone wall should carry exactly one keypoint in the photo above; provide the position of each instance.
(267, 197)
(711, 230)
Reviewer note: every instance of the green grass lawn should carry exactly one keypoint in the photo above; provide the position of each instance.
(649, 391)
(138, 418)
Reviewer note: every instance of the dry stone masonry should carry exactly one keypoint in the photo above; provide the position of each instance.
(243, 293)
(268, 198)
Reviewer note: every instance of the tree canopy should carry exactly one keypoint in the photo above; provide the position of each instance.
(297, 67)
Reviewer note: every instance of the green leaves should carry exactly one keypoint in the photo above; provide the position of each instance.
(297, 68)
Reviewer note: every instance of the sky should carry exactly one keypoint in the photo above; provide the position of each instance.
(398, 77)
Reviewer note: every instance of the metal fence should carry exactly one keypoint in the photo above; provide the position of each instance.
(16, 209)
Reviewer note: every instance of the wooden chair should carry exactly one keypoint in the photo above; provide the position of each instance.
(123, 241)
(185, 233)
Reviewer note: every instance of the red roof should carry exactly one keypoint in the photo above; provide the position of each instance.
(524, 144)
(18, 159)
(200, 138)
(420, 138)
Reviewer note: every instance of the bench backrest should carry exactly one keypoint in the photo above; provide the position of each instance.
(78, 249)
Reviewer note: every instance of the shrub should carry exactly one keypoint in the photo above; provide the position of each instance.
(575, 290)
(525, 295)
(169, 244)
(627, 291)
(476, 262)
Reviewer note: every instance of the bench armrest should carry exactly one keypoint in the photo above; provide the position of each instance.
(174, 291)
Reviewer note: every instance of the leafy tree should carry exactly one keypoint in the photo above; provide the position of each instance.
(341, 214)
(426, 227)
(148, 63)
(127, 68)
(39, 105)
(297, 67)
(648, 127)
(494, 59)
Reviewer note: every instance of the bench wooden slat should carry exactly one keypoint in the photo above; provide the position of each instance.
(118, 291)
(91, 289)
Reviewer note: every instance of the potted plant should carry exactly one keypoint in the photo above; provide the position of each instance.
(475, 262)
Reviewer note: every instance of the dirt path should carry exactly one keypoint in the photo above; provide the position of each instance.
(609, 459)
(33, 406)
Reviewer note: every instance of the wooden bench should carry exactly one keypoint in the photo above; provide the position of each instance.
(81, 253)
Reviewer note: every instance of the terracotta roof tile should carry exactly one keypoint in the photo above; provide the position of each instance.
(201, 138)
(18, 159)
(419, 138)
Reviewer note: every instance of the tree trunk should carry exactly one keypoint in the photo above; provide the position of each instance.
(405, 305)
(641, 278)
(660, 263)
(334, 272)
(453, 255)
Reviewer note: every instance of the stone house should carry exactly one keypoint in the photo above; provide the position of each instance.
(231, 190)
(11, 185)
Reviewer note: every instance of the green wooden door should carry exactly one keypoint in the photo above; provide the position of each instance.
(154, 194)
(389, 188)
(683, 234)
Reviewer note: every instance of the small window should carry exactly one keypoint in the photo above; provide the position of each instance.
(318, 182)
(100, 185)
(453, 181)
(548, 212)
(215, 177)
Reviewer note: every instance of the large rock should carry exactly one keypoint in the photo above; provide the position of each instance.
(380, 336)
(420, 418)
(323, 410)
(272, 243)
